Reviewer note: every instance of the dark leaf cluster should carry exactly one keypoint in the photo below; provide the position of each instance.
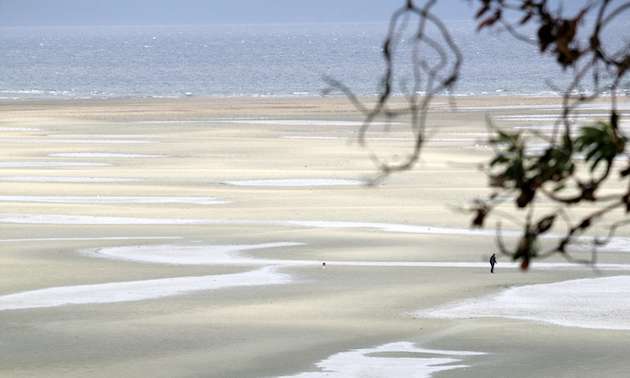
(513, 169)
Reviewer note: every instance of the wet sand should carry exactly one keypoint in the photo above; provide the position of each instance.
(185, 238)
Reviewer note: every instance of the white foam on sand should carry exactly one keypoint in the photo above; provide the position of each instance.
(192, 255)
(546, 127)
(620, 244)
(615, 244)
(38, 164)
(318, 137)
(380, 139)
(137, 290)
(113, 200)
(509, 107)
(384, 227)
(104, 155)
(279, 122)
(65, 179)
(19, 129)
(293, 183)
(106, 136)
(550, 118)
(298, 122)
(400, 359)
(599, 303)
(88, 239)
(624, 106)
(229, 255)
(76, 141)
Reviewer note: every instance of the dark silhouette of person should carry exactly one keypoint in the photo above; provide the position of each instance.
(493, 260)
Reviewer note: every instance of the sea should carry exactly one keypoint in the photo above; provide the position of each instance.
(267, 60)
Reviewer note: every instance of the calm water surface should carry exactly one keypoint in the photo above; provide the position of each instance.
(250, 60)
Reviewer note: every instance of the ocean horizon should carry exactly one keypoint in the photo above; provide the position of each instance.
(263, 60)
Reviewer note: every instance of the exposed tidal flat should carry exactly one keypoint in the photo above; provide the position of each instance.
(185, 238)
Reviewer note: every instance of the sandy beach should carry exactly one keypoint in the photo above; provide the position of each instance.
(186, 238)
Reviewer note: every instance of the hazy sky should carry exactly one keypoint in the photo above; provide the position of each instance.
(176, 12)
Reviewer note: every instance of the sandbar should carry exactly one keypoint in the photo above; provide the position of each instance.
(237, 237)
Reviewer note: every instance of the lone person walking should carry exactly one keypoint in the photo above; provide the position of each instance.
(493, 260)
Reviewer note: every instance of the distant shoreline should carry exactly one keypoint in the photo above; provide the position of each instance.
(306, 96)
(437, 102)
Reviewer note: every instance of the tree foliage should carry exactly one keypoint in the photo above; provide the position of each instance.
(574, 167)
